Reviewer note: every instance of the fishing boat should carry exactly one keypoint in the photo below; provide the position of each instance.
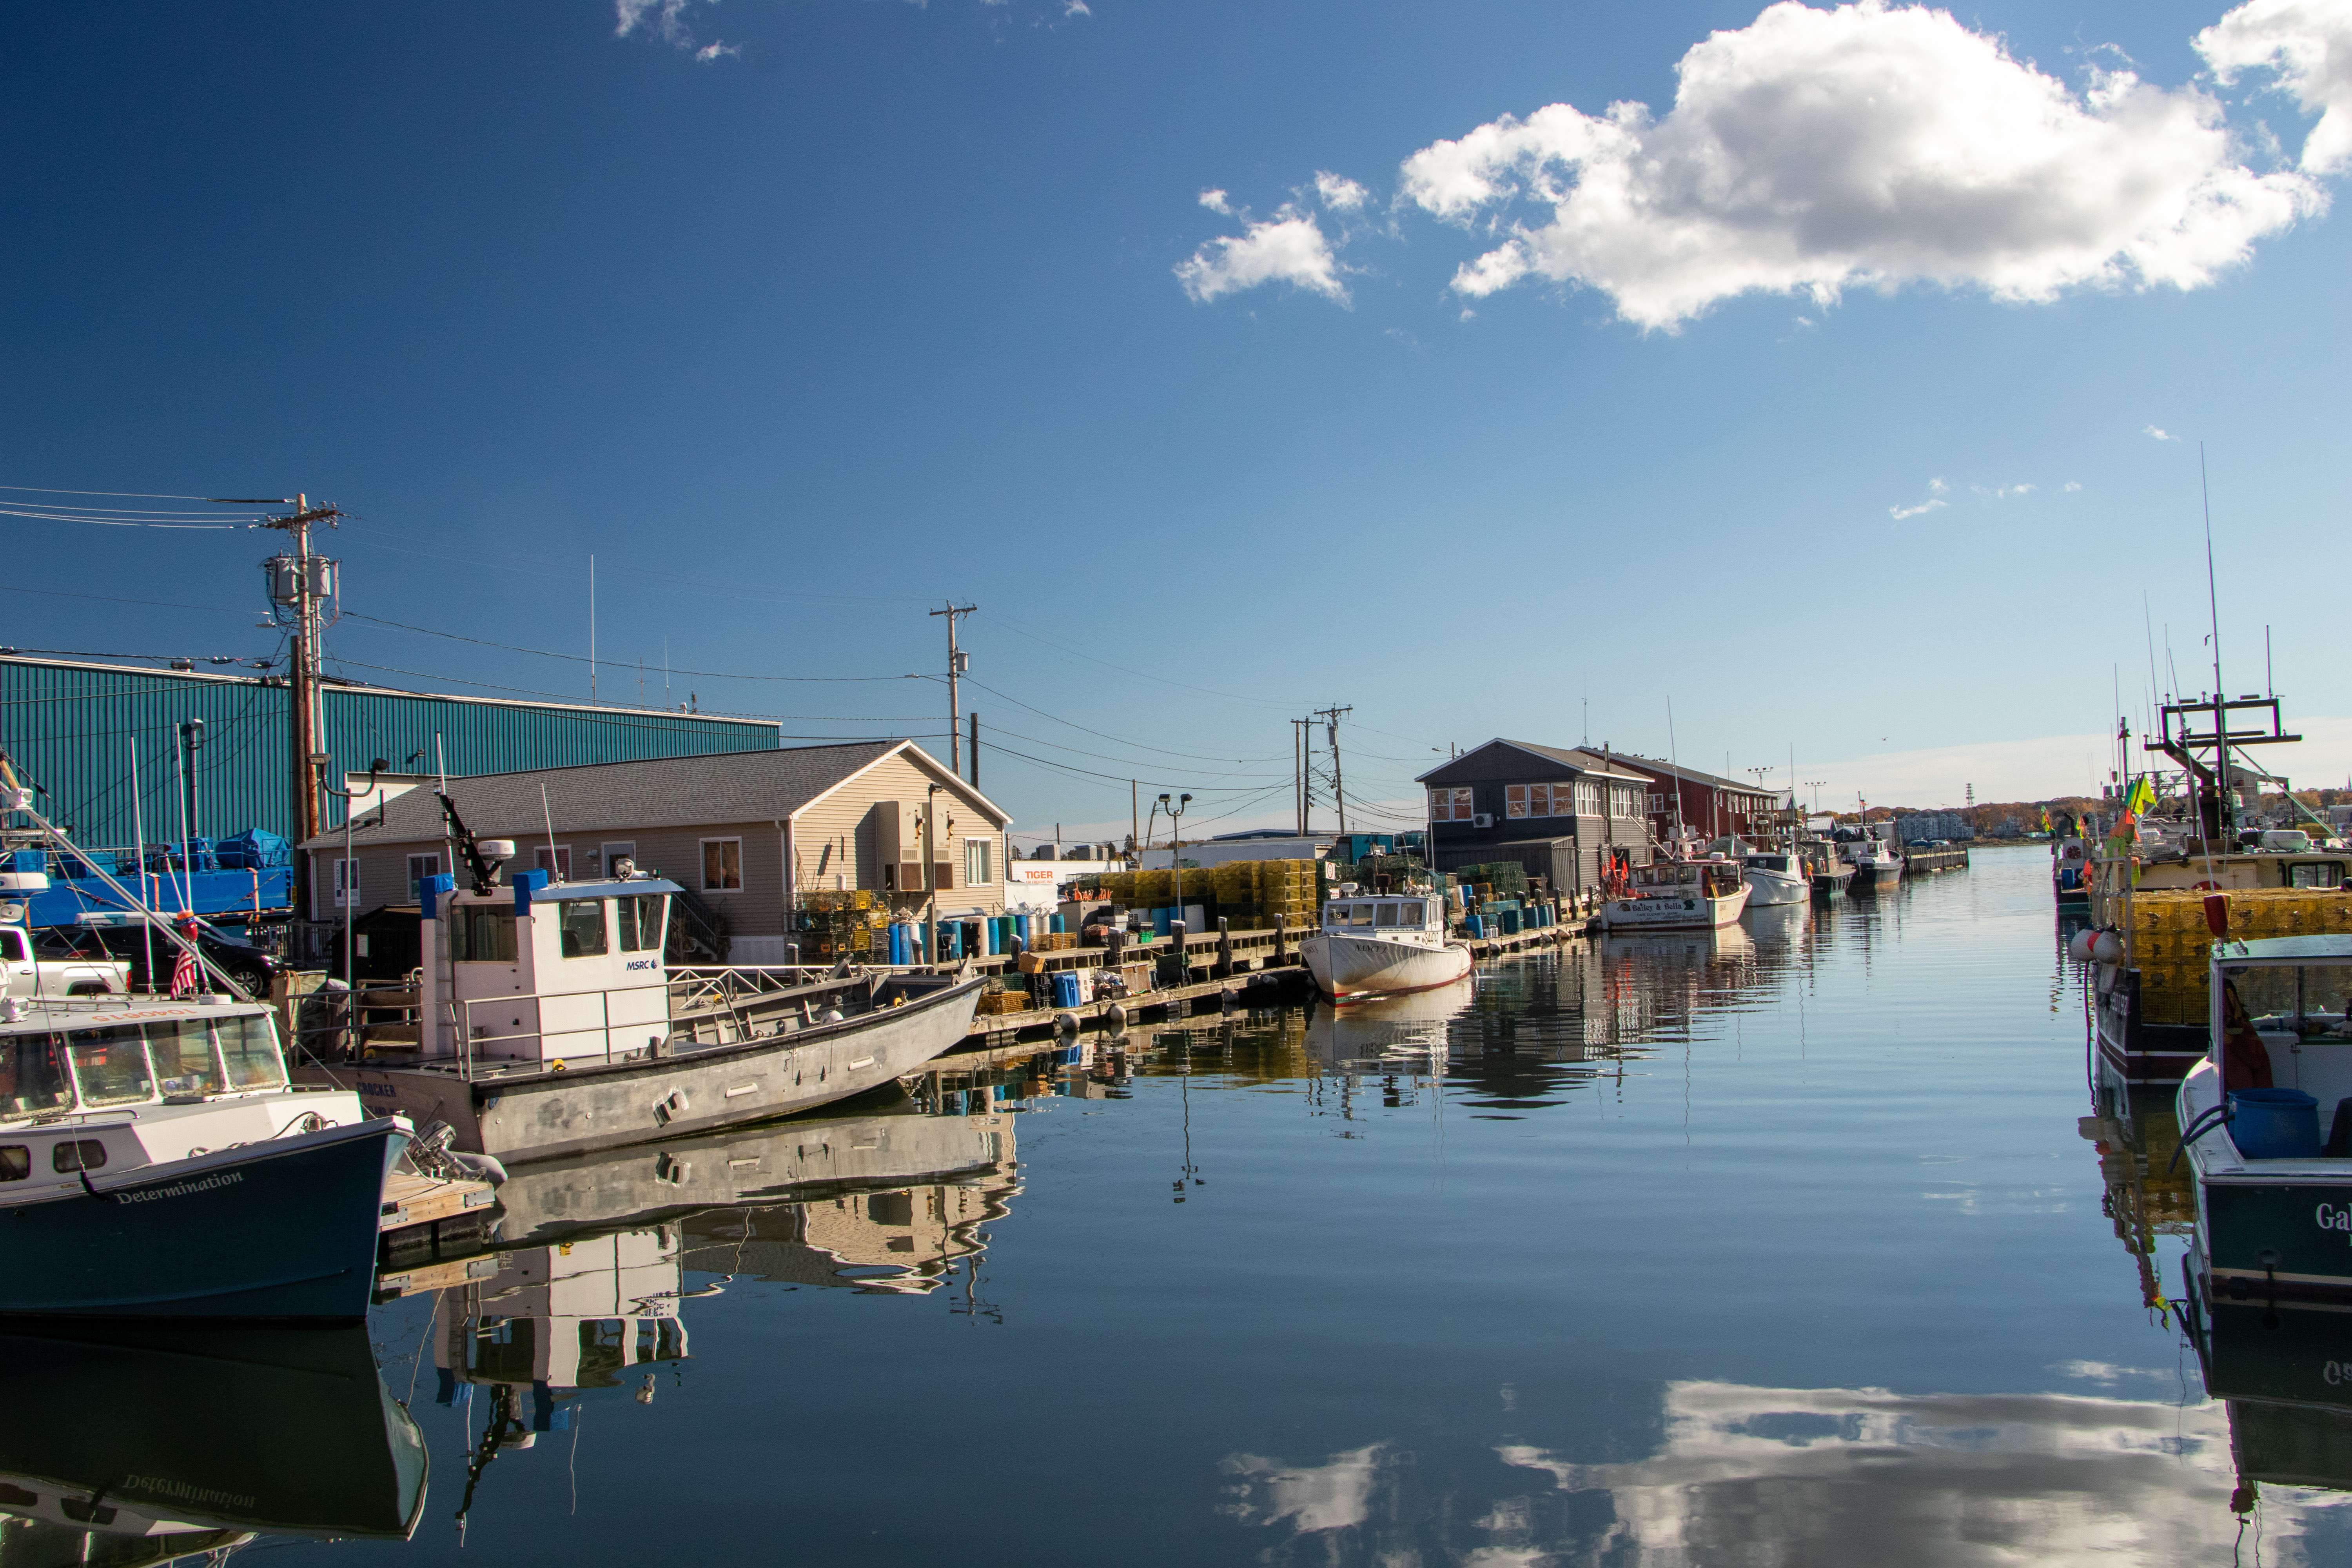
(1829, 871)
(1876, 862)
(1777, 877)
(1382, 945)
(2070, 872)
(156, 1162)
(1677, 895)
(548, 1024)
(134, 1443)
(2273, 1189)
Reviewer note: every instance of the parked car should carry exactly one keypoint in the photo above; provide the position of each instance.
(31, 969)
(250, 965)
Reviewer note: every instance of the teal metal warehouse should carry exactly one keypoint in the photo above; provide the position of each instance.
(72, 729)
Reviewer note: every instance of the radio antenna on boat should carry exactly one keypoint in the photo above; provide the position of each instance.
(2213, 608)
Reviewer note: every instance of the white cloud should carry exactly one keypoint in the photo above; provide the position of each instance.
(1076, 8)
(666, 20)
(2309, 44)
(1334, 1495)
(1214, 200)
(1870, 145)
(2002, 492)
(1900, 512)
(1288, 248)
(2157, 433)
(1340, 194)
(1939, 487)
(2071, 486)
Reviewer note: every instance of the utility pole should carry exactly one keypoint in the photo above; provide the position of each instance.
(958, 662)
(1330, 717)
(1298, 772)
(300, 583)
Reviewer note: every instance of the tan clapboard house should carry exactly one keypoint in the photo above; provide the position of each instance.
(746, 833)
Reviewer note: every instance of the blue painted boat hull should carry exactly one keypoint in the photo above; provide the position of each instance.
(283, 1231)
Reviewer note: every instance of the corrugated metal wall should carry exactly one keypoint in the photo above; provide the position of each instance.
(71, 729)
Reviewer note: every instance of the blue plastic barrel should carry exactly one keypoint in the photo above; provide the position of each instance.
(1478, 924)
(2274, 1124)
(1065, 988)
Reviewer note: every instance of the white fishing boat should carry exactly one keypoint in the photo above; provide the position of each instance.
(1775, 877)
(548, 1024)
(156, 1162)
(1678, 895)
(1380, 944)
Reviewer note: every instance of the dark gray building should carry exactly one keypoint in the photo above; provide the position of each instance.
(1555, 810)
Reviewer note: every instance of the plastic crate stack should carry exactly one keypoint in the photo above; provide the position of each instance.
(2173, 950)
(842, 925)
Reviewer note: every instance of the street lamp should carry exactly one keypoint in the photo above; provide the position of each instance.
(1176, 864)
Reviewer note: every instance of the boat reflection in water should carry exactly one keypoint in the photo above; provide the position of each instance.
(125, 1445)
(1391, 1033)
(884, 1200)
(2284, 1377)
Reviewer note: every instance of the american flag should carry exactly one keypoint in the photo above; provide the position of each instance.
(186, 980)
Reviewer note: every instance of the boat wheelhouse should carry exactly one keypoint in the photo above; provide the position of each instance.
(1378, 945)
(1777, 877)
(1678, 895)
(221, 1189)
(2266, 1120)
(549, 1022)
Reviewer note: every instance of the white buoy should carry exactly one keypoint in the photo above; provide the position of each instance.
(1065, 1023)
(2078, 947)
(1116, 1016)
(2107, 947)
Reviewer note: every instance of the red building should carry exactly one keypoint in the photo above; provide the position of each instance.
(1711, 805)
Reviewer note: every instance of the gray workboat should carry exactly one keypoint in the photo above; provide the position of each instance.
(549, 1024)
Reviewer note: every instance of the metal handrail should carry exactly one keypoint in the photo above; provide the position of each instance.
(461, 1019)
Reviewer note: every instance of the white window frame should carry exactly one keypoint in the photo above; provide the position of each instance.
(978, 849)
(605, 856)
(431, 867)
(1515, 800)
(703, 869)
(347, 880)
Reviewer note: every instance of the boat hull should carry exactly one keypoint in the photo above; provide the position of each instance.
(281, 1230)
(1870, 879)
(1350, 966)
(2132, 1050)
(524, 1116)
(1769, 890)
(1692, 913)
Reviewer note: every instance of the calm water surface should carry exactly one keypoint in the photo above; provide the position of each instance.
(1786, 1245)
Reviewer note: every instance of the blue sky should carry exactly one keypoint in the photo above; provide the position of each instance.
(879, 303)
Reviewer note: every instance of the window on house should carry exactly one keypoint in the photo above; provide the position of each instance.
(583, 927)
(347, 883)
(1588, 798)
(976, 857)
(555, 862)
(723, 864)
(611, 853)
(1515, 800)
(419, 867)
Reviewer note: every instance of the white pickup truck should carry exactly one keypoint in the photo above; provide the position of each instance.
(32, 976)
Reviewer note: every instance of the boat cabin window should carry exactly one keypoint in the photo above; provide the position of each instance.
(249, 1050)
(481, 933)
(1386, 914)
(1359, 914)
(76, 1154)
(32, 1074)
(1769, 862)
(2306, 999)
(110, 1065)
(2316, 874)
(15, 1161)
(641, 921)
(583, 927)
(185, 1063)
(1413, 914)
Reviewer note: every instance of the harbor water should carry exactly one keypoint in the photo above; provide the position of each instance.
(1785, 1243)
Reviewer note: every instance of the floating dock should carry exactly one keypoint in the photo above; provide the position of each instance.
(1921, 862)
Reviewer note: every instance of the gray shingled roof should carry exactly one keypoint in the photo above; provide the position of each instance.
(1712, 781)
(602, 797)
(1567, 756)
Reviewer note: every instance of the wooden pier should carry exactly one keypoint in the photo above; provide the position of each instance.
(1924, 862)
(423, 1215)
